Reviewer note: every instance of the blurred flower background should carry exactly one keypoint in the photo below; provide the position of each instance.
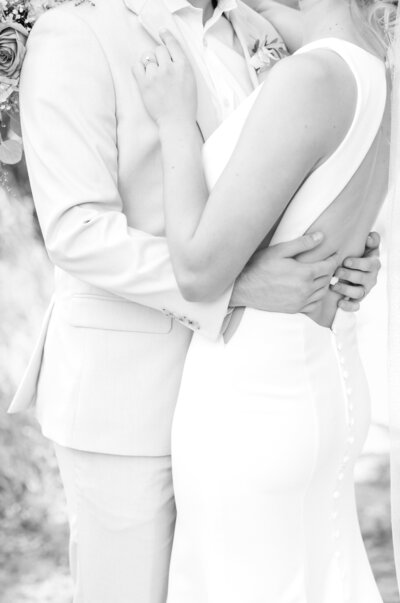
(33, 528)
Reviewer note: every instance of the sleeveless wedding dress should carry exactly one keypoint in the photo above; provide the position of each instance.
(268, 426)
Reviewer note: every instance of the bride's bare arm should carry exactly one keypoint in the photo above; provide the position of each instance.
(294, 124)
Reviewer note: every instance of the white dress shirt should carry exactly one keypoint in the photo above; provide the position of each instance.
(217, 52)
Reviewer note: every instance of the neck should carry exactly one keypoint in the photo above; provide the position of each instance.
(207, 6)
(204, 4)
(331, 18)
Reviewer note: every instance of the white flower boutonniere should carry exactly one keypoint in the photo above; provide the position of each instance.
(265, 53)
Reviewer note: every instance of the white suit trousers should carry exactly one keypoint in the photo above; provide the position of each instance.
(122, 517)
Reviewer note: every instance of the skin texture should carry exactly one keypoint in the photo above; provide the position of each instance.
(211, 245)
(211, 242)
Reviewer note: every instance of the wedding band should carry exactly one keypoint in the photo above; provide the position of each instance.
(148, 60)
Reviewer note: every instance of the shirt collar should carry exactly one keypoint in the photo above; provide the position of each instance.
(224, 6)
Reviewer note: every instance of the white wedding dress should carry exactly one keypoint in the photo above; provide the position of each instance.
(268, 426)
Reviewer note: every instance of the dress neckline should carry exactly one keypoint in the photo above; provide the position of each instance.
(319, 44)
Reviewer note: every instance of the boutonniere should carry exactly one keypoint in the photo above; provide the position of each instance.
(266, 52)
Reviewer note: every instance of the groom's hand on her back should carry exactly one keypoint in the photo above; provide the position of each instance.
(275, 281)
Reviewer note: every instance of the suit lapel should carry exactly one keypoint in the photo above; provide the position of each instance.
(153, 15)
(239, 26)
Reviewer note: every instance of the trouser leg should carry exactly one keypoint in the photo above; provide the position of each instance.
(122, 516)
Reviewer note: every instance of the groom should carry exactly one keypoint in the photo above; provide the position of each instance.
(105, 373)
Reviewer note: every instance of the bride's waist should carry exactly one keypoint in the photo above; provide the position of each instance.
(274, 349)
(269, 327)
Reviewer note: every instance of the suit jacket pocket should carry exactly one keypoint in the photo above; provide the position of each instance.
(96, 312)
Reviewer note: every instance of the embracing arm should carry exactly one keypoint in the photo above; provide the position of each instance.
(295, 122)
(69, 126)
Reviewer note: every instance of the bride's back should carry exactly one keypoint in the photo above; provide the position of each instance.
(347, 222)
(348, 218)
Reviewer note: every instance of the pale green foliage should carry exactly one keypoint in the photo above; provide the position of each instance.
(32, 522)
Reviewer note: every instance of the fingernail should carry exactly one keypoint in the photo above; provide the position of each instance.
(370, 239)
(317, 236)
(348, 263)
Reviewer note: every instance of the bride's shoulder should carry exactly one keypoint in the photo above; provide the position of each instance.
(317, 66)
(316, 77)
(309, 93)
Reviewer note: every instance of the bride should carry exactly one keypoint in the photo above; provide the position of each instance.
(270, 420)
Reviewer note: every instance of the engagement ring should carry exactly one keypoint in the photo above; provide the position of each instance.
(148, 60)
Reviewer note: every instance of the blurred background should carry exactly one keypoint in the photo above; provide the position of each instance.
(33, 528)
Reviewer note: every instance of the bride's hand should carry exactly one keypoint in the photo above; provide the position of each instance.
(166, 82)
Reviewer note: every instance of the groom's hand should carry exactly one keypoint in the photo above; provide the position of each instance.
(275, 281)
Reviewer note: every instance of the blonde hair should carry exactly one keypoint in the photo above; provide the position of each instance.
(379, 19)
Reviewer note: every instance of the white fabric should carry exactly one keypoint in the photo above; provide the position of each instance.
(346, 159)
(106, 370)
(370, 75)
(266, 509)
(394, 295)
(121, 512)
(216, 51)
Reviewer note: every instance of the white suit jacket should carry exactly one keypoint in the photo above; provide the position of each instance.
(106, 370)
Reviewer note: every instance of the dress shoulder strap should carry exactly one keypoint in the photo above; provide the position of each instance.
(326, 183)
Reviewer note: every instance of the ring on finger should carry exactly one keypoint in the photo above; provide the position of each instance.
(148, 60)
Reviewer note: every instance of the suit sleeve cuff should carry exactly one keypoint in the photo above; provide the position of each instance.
(207, 318)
